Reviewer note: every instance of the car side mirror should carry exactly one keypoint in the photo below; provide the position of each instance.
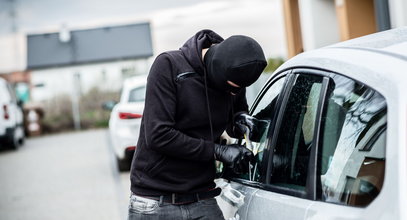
(20, 103)
(109, 105)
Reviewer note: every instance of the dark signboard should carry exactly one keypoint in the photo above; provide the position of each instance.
(89, 46)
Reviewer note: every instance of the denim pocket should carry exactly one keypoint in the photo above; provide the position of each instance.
(143, 205)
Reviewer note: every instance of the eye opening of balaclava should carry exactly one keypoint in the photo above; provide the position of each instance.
(238, 59)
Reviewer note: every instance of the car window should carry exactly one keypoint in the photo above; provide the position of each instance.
(263, 111)
(293, 146)
(353, 143)
(137, 94)
(12, 93)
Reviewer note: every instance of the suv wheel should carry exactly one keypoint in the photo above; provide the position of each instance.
(123, 164)
(16, 138)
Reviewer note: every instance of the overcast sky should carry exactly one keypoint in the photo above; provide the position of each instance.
(172, 21)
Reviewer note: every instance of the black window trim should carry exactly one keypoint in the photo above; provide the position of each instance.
(312, 179)
(267, 151)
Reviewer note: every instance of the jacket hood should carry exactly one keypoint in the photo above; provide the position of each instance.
(192, 49)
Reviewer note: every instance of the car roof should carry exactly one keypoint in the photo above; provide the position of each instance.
(378, 60)
(135, 81)
(392, 42)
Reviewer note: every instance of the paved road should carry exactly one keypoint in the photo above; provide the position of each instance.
(65, 176)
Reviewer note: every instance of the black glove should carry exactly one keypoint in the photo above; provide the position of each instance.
(256, 127)
(243, 122)
(234, 156)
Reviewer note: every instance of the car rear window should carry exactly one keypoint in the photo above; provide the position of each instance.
(352, 160)
(137, 94)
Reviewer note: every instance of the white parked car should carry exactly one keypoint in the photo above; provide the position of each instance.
(333, 137)
(11, 117)
(125, 120)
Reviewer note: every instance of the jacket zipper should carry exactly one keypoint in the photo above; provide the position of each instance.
(182, 76)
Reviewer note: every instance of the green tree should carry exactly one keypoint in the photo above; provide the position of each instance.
(273, 63)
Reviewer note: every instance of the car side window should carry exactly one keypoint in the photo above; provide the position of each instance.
(263, 111)
(137, 94)
(293, 146)
(352, 154)
(12, 93)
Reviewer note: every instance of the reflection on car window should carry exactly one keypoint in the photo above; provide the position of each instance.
(295, 137)
(353, 144)
(137, 94)
(264, 111)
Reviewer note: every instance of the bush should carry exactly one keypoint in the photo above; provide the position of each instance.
(58, 111)
(273, 64)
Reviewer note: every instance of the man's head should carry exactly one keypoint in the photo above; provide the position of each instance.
(235, 63)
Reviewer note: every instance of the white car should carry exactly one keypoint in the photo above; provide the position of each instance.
(11, 117)
(333, 137)
(125, 120)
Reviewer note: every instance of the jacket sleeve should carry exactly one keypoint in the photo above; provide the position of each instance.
(239, 106)
(159, 117)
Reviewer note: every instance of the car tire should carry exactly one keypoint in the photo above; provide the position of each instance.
(13, 142)
(123, 164)
(16, 138)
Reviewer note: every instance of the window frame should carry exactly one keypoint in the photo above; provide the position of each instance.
(313, 185)
(260, 184)
(310, 188)
(291, 76)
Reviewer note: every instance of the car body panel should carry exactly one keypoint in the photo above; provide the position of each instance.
(284, 207)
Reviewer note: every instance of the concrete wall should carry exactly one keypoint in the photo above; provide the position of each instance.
(398, 13)
(319, 24)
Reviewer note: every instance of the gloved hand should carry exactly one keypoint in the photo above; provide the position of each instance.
(243, 122)
(234, 156)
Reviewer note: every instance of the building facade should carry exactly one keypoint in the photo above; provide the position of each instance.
(312, 24)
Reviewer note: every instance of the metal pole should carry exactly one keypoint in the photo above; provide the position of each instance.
(382, 15)
(75, 101)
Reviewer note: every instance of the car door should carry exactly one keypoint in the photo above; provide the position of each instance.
(286, 125)
(279, 181)
(324, 149)
(287, 191)
(235, 198)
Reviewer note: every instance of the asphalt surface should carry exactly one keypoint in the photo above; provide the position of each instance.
(64, 176)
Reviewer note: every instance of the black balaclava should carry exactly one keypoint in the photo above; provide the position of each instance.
(238, 59)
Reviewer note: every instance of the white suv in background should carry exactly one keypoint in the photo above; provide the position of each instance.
(125, 120)
(11, 117)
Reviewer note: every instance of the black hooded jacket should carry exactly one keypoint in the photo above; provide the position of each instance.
(175, 153)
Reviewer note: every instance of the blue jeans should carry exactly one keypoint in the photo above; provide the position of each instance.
(141, 208)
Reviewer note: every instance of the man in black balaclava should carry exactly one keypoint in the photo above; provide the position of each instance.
(193, 95)
(238, 59)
